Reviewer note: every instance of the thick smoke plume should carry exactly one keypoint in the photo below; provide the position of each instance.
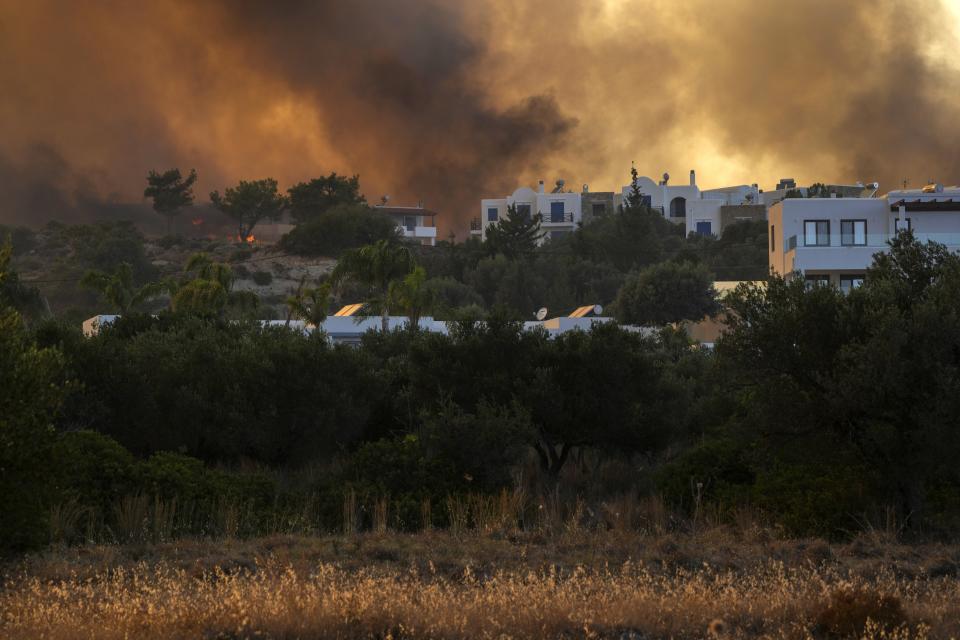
(447, 102)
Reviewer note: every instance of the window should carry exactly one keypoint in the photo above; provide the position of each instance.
(524, 211)
(853, 233)
(816, 233)
(847, 283)
(556, 211)
(646, 201)
(599, 208)
(410, 222)
(773, 242)
(905, 226)
(704, 228)
(817, 280)
(678, 208)
(492, 214)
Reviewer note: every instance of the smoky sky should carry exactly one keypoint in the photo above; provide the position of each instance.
(448, 102)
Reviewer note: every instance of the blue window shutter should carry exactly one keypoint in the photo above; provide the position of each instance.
(704, 229)
(492, 214)
(556, 212)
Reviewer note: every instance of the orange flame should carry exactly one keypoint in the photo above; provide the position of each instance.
(197, 222)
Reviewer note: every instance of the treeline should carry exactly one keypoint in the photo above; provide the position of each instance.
(822, 411)
(667, 276)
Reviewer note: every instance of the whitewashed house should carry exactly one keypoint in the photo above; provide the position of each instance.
(560, 211)
(833, 240)
(701, 212)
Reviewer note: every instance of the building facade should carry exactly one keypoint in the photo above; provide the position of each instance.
(561, 211)
(833, 240)
(704, 212)
(415, 223)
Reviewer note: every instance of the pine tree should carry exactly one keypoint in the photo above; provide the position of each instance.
(171, 192)
(516, 234)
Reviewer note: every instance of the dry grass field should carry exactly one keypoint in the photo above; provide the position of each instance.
(434, 585)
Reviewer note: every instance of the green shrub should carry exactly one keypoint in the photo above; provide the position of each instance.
(174, 475)
(338, 229)
(720, 466)
(31, 391)
(262, 278)
(92, 469)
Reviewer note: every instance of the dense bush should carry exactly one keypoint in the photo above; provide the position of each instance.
(818, 409)
(338, 229)
(221, 391)
(31, 387)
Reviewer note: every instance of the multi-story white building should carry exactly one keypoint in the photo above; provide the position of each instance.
(560, 211)
(834, 239)
(702, 212)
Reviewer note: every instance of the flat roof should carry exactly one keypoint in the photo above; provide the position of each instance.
(420, 211)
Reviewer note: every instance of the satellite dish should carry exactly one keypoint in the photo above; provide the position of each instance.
(542, 313)
(597, 309)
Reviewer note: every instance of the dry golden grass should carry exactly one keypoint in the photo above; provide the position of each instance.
(440, 586)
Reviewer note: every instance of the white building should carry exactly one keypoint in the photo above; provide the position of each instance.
(700, 211)
(834, 239)
(415, 223)
(560, 210)
(350, 329)
(706, 212)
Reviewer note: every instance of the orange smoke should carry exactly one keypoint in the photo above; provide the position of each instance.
(450, 102)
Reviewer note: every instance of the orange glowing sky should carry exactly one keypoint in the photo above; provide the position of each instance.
(453, 101)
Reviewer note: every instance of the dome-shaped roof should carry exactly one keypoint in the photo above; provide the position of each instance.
(525, 194)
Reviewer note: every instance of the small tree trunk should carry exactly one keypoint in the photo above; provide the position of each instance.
(385, 318)
(912, 499)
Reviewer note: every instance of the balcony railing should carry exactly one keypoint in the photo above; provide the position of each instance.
(558, 218)
(476, 225)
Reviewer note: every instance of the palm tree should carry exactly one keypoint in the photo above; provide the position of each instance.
(309, 304)
(411, 295)
(210, 290)
(117, 288)
(376, 265)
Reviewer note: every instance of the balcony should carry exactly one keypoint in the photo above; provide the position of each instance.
(476, 226)
(558, 218)
(837, 257)
(419, 232)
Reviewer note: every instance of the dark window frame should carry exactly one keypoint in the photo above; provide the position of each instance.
(816, 279)
(859, 276)
(773, 239)
(816, 233)
(493, 214)
(853, 234)
(678, 203)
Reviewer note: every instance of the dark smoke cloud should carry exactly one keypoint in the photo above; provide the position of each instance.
(450, 102)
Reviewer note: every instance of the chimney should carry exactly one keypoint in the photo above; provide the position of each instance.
(540, 188)
(693, 178)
